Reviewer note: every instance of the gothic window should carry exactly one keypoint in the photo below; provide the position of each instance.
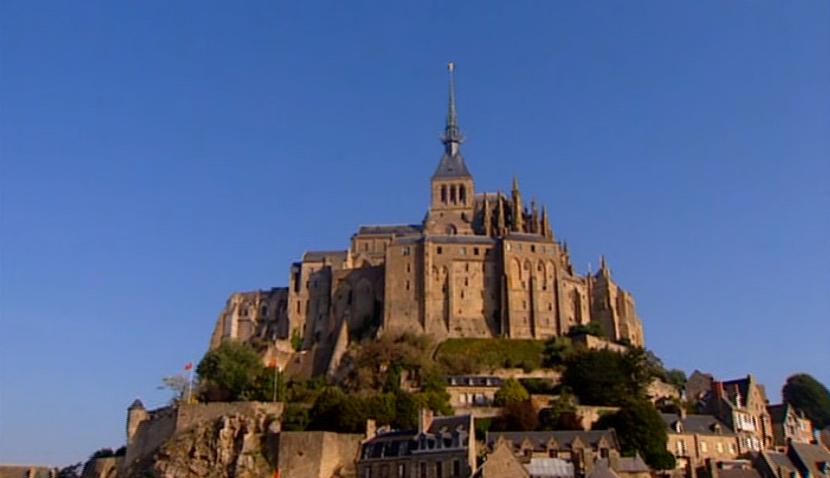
(439, 250)
(408, 268)
(462, 194)
(452, 194)
(532, 248)
(407, 285)
(444, 194)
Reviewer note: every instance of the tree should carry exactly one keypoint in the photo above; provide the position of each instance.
(807, 394)
(518, 416)
(641, 430)
(557, 350)
(677, 378)
(71, 471)
(233, 371)
(511, 391)
(604, 377)
(561, 415)
(179, 384)
(591, 328)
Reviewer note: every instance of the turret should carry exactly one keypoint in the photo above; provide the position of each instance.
(136, 414)
(518, 212)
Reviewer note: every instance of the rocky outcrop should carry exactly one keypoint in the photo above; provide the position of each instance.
(241, 445)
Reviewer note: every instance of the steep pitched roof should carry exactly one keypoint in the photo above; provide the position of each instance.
(702, 424)
(810, 458)
(562, 437)
(451, 166)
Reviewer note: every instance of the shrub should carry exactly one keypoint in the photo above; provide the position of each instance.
(511, 391)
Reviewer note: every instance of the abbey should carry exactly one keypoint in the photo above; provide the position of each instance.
(479, 265)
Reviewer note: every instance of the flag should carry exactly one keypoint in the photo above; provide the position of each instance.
(188, 366)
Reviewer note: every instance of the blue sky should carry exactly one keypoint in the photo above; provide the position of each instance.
(157, 156)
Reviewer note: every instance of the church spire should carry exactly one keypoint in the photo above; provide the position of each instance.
(452, 137)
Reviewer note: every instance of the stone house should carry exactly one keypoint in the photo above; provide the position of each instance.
(441, 447)
(693, 439)
(742, 406)
(580, 448)
(468, 391)
(789, 424)
(799, 460)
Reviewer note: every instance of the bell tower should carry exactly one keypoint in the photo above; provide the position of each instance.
(452, 193)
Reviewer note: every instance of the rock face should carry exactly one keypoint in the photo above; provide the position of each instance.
(230, 446)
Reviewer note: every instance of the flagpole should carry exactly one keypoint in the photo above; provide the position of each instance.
(189, 385)
(276, 378)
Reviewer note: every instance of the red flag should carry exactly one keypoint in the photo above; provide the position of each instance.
(188, 366)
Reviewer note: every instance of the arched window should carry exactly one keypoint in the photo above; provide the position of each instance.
(462, 194)
(444, 194)
(452, 194)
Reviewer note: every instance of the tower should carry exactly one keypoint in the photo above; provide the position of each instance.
(453, 195)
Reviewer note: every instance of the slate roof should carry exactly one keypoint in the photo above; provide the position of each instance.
(317, 256)
(602, 471)
(451, 167)
(550, 467)
(738, 473)
(398, 443)
(562, 437)
(810, 457)
(702, 424)
(777, 460)
(396, 229)
(632, 464)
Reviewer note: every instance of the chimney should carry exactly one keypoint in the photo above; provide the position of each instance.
(371, 429)
(614, 460)
(424, 420)
(717, 388)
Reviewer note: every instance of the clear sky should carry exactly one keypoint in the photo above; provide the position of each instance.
(157, 156)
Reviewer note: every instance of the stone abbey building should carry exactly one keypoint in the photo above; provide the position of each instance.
(479, 265)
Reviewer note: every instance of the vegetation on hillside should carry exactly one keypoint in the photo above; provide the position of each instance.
(640, 430)
(807, 394)
(234, 371)
(469, 356)
(603, 377)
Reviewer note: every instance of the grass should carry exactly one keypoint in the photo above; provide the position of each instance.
(463, 356)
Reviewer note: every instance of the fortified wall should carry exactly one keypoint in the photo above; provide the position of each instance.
(147, 430)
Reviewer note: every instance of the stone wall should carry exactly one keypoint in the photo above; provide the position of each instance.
(193, 414)
(102, 467)
(150, 434)
(27, 471)
(318, 454)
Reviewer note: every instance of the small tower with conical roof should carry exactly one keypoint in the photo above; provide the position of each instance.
(136, 414)
(453, 196)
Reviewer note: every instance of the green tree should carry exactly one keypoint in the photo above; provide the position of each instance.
(557, 350)
(807, 394)
(603, 377)
(561, 415)
(295, 418)
(233, 371)
(640, 429)
(511, 391)
(591, 328)
(677, 378)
